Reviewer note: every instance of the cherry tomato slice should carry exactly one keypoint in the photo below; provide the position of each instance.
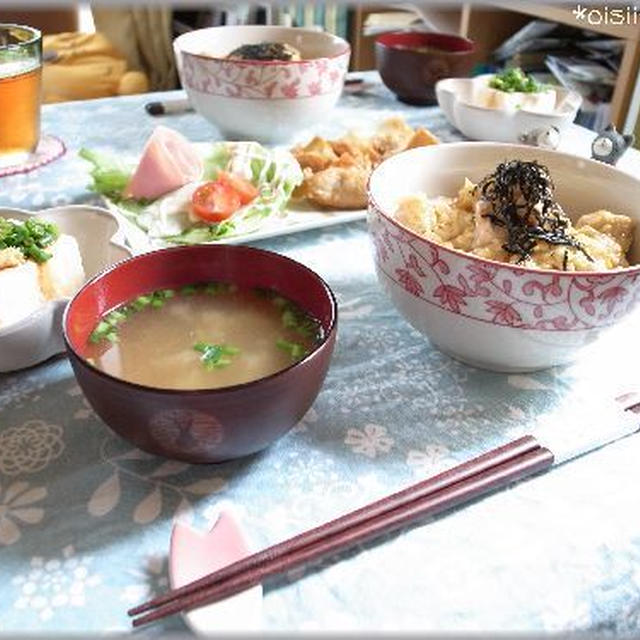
(215, 201)
(243, 187)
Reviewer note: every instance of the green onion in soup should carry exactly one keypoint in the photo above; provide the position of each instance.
(202, 335)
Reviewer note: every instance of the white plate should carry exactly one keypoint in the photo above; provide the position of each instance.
(297, 217)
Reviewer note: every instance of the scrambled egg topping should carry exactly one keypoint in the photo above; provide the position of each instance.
(461, 223)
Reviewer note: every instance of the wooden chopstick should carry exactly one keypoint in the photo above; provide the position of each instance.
(461, 483)
(447, 498)
(425, 487)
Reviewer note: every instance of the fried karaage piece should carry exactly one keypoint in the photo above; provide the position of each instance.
(338, 187)
(336, 171)
(393, 136)
(316, 155)
(357, 147)
(421, 138)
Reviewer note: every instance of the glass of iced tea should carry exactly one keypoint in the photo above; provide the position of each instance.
(20, 81)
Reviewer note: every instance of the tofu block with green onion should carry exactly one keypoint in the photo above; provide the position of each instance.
(37, 264)
(20, 293)
(62, 274)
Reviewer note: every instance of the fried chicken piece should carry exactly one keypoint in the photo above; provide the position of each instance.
(339, 187)
(315, 155)
(605, 251)
(392, 136)
(336, 171)
(467, 196)
(422, 138)
(358, 148)
(395, 135)
(300, 192)
(397, 125)
(348, 160)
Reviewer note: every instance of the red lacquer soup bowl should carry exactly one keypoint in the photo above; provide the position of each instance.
(204, 425)
(412, 62)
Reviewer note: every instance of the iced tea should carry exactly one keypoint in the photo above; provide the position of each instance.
(20, 82)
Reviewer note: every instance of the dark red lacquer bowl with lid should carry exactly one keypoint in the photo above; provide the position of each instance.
(411, 62)
(204, 425)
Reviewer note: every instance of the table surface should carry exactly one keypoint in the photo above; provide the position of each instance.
(85, 519)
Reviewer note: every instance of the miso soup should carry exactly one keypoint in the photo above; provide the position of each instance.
(202, 336)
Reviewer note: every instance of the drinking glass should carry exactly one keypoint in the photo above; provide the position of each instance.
(20, 88)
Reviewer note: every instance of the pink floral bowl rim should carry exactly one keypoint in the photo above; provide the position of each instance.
(268, 63)
(372, 203)
(344, 51)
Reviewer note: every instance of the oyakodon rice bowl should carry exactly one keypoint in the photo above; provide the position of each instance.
(495, 315)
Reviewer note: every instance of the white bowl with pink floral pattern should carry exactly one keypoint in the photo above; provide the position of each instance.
(486, 313)
(267, 101)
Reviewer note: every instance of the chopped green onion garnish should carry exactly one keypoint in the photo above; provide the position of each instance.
(30, 237)
(189, 290)
(515, 79)
(141, 301)
(213, 354)
(295, 350)
(104, 330)
(115, 317)
(293, 318)
(215, 288)
(107, 327)
(289, 319)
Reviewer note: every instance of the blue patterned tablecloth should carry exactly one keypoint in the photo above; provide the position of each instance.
(85, 518)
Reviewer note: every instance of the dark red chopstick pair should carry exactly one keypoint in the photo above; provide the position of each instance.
(462, 483)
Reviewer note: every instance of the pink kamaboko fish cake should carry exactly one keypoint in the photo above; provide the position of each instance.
(168, 162)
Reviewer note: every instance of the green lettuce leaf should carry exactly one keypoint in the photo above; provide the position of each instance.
(274, 172)
(218, 160)
(110, 178)
(203, 233)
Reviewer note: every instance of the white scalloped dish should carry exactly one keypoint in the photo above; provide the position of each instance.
(39, 336)
(458, 98)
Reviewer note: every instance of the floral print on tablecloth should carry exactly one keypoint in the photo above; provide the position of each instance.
(85, 518)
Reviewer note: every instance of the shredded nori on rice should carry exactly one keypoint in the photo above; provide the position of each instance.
(265, 51)
(521, 196)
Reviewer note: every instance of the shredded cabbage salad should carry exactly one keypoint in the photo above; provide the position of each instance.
(275, 172)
